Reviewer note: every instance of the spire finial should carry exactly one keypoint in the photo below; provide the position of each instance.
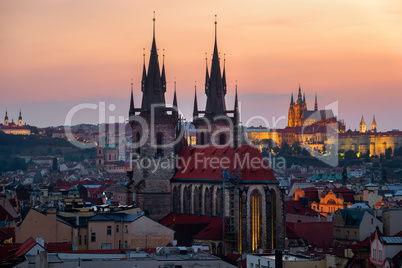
(154, 23)
(163, 56)
(143, 55)
(216, 22)
(175, 84)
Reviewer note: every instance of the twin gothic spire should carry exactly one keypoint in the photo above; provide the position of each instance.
(153, 85)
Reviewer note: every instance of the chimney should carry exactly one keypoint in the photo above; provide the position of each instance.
(278, 258)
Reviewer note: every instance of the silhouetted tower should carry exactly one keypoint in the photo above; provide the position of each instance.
(154, 128)
(215, 127)
(6, 120)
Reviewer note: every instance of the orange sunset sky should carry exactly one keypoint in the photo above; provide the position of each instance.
(57, 53)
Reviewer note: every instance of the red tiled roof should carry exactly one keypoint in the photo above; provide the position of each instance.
(24, 248)
(194, 227)
(59, 247)
(207, 162)
(317, 233)
(4, 215)
(295, 207)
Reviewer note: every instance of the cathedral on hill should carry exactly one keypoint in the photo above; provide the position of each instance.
(218, 177)
(300, 116)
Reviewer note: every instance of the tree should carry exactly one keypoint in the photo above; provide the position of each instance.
(350, 155)
(388, 153)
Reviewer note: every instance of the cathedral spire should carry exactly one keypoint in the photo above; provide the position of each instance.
(174, 95)
(291, 99)
(163, 76)
(195, 109)
(224, 74)
(236, 136)
(215, 94)
(154, 84)
(144, 73)
(304, 98)
(299, 96)
(374, 125)
(316, 103)
(132, 109)
(206, 75)
(6, 117)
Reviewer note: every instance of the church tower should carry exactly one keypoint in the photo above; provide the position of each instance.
(374, 125)
(155, 134)
(362, 126)
(296, 110)
(6, 121)
(216, 127)
(20, 120)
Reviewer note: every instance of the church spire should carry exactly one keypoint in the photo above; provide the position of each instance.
(206, 75)
(224, 74)
(195, 109)
(304, 98)
(374, 125)
(154, 85)
(132, 109)
(163, 76)
(174, 95)
(216, 93)
(291, 99)
(316, 103)
(299, 96)
(144, 73)
(236, 136)
(6, 117)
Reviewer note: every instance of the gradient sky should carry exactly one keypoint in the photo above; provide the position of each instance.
(55, 54)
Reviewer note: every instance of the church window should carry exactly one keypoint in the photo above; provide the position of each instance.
(255, 219)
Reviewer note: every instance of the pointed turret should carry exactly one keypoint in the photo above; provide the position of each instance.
(291, 99)
(206, 75)
(315, 103)
(304, 98)
(175, 98)
(362, 126)
(155, 86)
(224, 76)
(132, 109)
(20, 116)
(374, 125)
(299, 96)
(236, 136)
(144, 74)
(195, 109)
(163, 76)
(215, 93)
(6, 117)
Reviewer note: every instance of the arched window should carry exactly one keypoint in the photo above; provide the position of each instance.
(208, 201)
(159, 143)
(176, 200)
(137, 140)
(222, 139)
(255, 220)
(202, 137)
(218, 202)
(187, 200)
(197, 200)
